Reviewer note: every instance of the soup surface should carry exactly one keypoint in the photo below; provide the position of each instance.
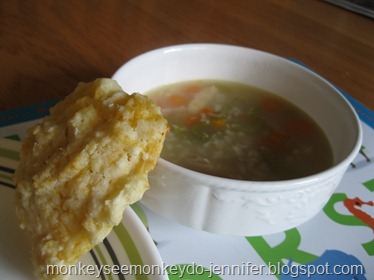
(237, 131)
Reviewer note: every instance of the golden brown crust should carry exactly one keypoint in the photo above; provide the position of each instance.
(82, 166)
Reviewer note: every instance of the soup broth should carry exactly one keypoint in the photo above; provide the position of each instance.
(236, 131)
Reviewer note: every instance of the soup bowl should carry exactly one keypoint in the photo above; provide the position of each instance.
(238, 207)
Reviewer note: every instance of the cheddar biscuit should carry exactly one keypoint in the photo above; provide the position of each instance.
(81, 166)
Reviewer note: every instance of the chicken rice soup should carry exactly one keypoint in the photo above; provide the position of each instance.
(237, 131)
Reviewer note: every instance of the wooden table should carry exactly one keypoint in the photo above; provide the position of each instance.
(47, 47)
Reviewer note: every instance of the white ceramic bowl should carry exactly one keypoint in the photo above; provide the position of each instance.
(228, 206)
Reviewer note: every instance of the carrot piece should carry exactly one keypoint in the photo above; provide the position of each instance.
(275, 141)
(192, 89)
(191, 120)
(299, 127)
(206, 111)
(272, 105)
(218, 123)
(177, 100)
(162, 102)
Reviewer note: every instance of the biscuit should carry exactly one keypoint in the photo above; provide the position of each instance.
(81, 166)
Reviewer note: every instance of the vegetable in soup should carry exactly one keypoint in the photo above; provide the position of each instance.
(237, 131)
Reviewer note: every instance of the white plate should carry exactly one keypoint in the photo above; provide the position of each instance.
(128, 246)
